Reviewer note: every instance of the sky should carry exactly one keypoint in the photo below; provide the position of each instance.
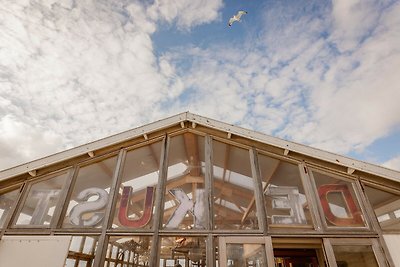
(321, 73)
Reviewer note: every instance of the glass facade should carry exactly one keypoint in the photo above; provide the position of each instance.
(234, 198)
(7, 199)
(338, 202)
(89, 197)
(177, 199)
(284, 196)
(184, 198)
(41, 200)
(354, 256)
(386, 206)
(137, 188)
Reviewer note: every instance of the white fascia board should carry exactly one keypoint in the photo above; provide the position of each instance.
(84, 149)
(221, 126)
(298, 148)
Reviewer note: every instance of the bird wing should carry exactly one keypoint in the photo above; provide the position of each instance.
(240, 14)
(231, 20)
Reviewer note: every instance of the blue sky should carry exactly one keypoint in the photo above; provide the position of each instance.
(320, 73)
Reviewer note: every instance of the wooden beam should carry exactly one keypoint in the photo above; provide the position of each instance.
(192, 153)
(250, 207)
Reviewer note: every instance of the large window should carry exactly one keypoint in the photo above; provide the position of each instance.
(7, 199)
(285, 199)
(41, 201)
(338, 201)
(90, 194)
(234, 198)
(386, 206)
(354, 252)
(185, 196)
(128, 251)
(137, 190)
(184, 250)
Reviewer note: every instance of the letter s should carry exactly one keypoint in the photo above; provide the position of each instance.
(75, 215)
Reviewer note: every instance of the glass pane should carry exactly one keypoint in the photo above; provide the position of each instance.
(41, 201)
(90, 194)
(186, 251)
(354, 256)
(82, 251)
(70, 263)
(185, 202)
(284, 196)
(123, 246)
(386, 206)
(338, 201)
(137, 191)
(7, 199)
(239, 255)
(234, 200)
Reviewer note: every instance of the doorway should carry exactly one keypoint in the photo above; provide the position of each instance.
(271, 252)
(296, 258)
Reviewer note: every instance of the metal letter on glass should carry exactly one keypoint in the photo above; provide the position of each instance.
(45, 196)
(353, 212)
(287, 198)
(75, 215)
(147, 212)
(186, 205)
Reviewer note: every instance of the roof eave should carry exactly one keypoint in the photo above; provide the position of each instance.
(352, 164)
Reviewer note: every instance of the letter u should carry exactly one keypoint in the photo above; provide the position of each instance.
(147, 212)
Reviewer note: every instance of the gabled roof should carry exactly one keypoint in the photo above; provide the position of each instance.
(190, 120)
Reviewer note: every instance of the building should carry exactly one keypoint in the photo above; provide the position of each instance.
(193, 191)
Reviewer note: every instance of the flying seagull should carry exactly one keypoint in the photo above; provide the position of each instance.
(236, 17)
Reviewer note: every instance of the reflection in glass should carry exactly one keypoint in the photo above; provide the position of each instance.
(185, 200)
(285, 199)
(338, 201)
(239, 255)
(386, 206)
(39, 206)
(90, 194)
(128, 251)
(234, 199)
(354, 256)
(187, 251)
(7, 199)
(137, 190)
(82, 251)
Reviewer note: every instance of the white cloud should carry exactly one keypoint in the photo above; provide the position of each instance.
(297, 85)
(186, 14)
(21, 141)
(75, 71)
(393, 163)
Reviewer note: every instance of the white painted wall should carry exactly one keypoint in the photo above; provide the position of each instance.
(34, 251)
(393, 244)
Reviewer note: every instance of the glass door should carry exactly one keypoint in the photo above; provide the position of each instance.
(245, 251)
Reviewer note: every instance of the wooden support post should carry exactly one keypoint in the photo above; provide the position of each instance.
(159, 203)
(103, 240)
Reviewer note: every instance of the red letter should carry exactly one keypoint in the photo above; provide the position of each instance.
(147, 212)
(351, 207)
